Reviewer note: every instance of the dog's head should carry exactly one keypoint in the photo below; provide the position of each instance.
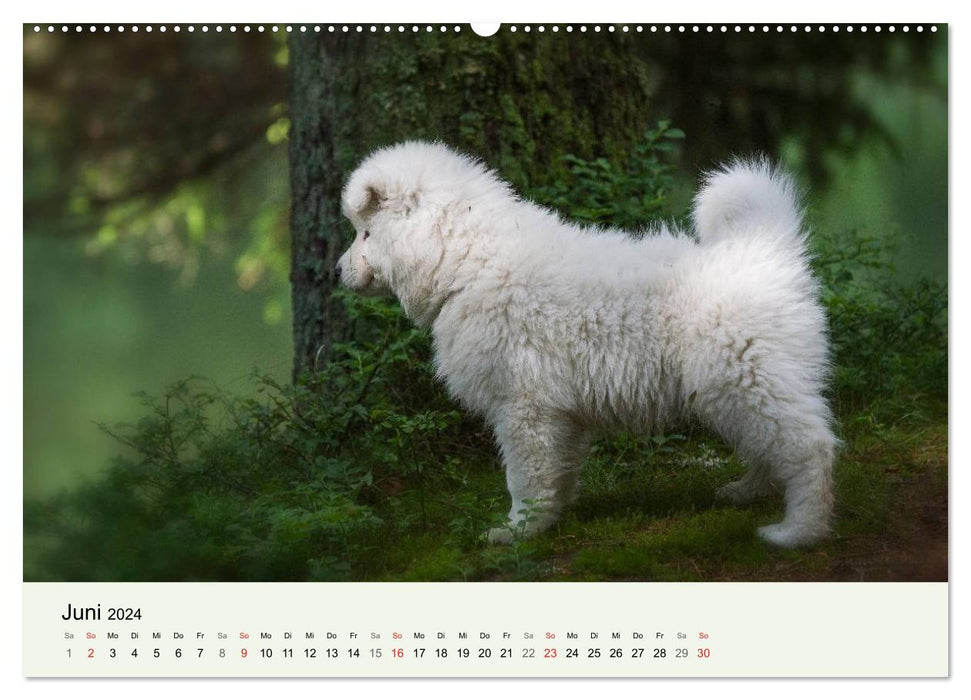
(378, 201)
(406, 204)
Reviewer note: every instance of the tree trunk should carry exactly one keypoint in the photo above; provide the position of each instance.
(314, 193)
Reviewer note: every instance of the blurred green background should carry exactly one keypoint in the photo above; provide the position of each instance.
(156, 226)
(156, 241)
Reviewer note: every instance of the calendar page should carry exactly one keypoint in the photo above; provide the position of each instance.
(511, 350)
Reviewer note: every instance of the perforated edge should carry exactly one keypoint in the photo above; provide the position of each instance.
(484, 31)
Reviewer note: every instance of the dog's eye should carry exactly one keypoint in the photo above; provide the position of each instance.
(367, 235)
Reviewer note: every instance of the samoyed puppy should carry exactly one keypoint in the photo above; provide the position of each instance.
(554, 331)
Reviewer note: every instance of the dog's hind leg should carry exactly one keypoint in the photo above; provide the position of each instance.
(787, 438)
(542, 453)
(753, 485)
(802, 463)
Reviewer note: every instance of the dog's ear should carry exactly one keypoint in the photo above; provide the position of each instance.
(369, 190)
(363, 196)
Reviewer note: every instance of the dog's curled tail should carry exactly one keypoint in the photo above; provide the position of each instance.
(747, 196)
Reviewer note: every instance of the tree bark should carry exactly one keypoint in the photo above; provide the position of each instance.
(315, 193)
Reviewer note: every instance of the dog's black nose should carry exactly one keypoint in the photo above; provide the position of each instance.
(337, 273)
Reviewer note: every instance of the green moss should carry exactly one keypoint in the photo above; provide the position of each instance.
(665, 549)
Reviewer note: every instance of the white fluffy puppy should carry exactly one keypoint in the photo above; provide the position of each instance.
(554, 331)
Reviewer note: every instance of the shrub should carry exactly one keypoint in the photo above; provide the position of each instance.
(889, 339)
(601, 192)
(293, 483)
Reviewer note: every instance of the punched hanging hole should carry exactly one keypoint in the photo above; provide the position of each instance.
(485, 28)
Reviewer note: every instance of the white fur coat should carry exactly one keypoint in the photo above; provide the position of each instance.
(554, 331)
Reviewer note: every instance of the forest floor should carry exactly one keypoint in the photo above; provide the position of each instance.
(646, 511)
(655, 518)
(911, 546)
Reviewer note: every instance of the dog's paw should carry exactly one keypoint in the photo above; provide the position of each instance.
(776, 535)
(742, 492)
(734, 493)
(787, 536)
(499, 535)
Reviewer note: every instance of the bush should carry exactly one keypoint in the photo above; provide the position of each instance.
(600, 192)
(295, 483)
(889, 340)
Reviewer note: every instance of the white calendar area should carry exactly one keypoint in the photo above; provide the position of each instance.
(485, 629)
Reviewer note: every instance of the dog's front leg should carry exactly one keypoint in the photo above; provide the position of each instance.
(542, 452)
